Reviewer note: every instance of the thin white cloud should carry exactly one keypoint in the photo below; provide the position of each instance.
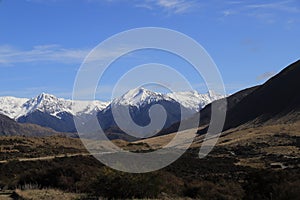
(286, 6)
(10, 55)
(55, 53)
(168, 6)
(175, 6)
(264, 11)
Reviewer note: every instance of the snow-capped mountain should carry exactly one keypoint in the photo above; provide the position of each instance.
(49, 111)
(16, 107)
(12, 106)
(57, 113)
(139, 97)
(193, 99)
(139, 101)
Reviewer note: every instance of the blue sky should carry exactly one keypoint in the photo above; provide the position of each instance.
(43, 42)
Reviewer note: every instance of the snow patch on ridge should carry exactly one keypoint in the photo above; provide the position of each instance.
(16, 107)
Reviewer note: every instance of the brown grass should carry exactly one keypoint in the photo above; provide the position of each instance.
(46, 194)
(15, 147)
(250, 145)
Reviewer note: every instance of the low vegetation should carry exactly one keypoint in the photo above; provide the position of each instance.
(15, 147)
(45, 194)
(210, 178)
(253, 163)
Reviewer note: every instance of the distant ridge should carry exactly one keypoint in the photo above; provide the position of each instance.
(9, 127)
(276, 101)
(49, 111)
(57, 113)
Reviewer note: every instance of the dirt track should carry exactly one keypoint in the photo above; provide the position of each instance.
(46, 157)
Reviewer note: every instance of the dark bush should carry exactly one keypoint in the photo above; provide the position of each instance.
(62, 178)
(211, 191)
(114, 184)
(281, 185)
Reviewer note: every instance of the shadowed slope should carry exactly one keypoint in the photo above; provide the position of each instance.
(10, 127)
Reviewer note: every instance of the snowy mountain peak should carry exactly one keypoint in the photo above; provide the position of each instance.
(139, 96)
(45, 96)
(47, 103)
(16, 107)
(193, 99)
(12, 106)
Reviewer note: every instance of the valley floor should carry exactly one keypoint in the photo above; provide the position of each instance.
(247, 163)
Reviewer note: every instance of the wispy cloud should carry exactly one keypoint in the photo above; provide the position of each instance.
(286, 6)
(251, 45)
(55, 53)
(228, 8)
(167, 6)
(265, 76)
(10, 55)
(227, 13)
(174, 6)
(24, 92)
(265, 11)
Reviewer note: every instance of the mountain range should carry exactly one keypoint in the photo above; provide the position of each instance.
(275, 101)
(49, 111)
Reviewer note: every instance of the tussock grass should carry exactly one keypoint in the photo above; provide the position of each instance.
(46, 194)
